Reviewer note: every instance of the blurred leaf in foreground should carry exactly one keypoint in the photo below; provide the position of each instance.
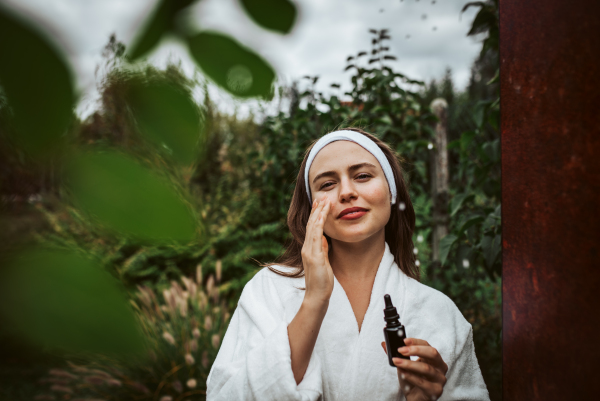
(160, 22)
(232, 66)
(37, 83)
(61, 299)
(277, 15)
(129, 197)
(168, 116)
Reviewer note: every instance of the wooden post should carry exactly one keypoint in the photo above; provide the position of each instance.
(439, 176)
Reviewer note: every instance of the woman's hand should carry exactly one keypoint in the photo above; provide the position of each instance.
(304, 328)
(315, 255)
(423, 379)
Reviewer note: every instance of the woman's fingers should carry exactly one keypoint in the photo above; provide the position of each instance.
(433, 389)
(424, 351)
(317, 228)
(314, 215)
(311, 217)
(325, 247)
(421, 368)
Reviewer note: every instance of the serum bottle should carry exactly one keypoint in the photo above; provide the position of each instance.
(394, 332)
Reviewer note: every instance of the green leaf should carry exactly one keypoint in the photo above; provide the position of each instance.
(458, 201)
(491, 247)
(492, 220)
(481, 111)
(129, 197)
(465, 139)
(492, 150)
(385, 120)
(445, 245)
(276, 15)
(495, 79)
(232, 66)
(454, 144)
(61, 299)
(167, 116)
(37, 82)
(471, 221)
(161, 21)
(146, 272)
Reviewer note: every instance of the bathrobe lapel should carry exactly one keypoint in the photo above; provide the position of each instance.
(363, 361)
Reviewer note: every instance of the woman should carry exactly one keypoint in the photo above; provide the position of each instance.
(311, 326)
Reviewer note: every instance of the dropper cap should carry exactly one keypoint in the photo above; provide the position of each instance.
(390, 312)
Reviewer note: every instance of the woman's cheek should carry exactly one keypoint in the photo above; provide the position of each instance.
(377, 195)
(321, 197)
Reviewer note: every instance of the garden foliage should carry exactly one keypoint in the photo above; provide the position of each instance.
(227, 184)
(184, 326)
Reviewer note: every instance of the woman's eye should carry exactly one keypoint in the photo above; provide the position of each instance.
(360, 176)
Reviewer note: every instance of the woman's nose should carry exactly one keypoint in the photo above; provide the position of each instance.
(347, 190)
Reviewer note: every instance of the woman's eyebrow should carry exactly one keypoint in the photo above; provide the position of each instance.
(351, 168)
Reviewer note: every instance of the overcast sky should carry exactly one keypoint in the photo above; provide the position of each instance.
(427, 36)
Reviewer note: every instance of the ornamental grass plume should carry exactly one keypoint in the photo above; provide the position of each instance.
(218, 269)
(169, 337)
(183, 329)
(216, 340)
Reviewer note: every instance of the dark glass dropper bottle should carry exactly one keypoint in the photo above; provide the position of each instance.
(394, 331)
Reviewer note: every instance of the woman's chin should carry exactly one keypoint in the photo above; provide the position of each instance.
(351, 237)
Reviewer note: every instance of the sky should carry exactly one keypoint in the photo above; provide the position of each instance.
(427, 37)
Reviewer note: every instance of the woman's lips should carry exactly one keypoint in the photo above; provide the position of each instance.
(354, 215)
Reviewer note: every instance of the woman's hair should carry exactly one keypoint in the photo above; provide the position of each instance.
(398, 230)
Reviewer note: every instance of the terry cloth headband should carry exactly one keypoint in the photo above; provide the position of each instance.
(362, 140)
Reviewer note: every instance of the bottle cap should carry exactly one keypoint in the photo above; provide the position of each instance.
(390, 312)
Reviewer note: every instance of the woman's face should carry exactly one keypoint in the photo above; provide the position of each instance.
(351, 177)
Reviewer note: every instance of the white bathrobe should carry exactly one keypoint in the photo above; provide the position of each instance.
(254, 361)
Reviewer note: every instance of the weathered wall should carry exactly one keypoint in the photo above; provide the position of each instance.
(550, 105)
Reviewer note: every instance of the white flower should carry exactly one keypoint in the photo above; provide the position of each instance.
(191, 383)
(189, 359)
(196, 332)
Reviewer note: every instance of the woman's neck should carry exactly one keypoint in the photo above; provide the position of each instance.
(357, 260)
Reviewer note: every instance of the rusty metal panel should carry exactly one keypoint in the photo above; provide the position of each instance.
(550, 105)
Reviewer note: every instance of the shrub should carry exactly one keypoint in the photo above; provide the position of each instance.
(183, 324)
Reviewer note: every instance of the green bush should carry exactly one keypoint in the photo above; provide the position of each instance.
(183, 323)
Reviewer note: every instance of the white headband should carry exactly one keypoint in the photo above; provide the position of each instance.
(362, 140)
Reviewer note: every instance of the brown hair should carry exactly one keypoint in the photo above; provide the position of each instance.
(398, 230)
